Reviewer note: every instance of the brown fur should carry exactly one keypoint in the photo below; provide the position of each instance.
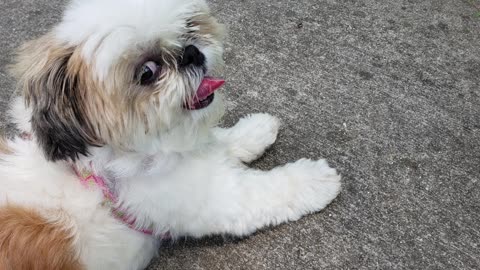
(28, 241)
(55, 76)
(47, 55)
(54, 83)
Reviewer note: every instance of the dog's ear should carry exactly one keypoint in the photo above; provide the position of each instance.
(49, 77)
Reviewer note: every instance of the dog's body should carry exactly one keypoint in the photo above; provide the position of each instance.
(177, 175)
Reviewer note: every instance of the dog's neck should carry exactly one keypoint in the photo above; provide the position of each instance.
(117, 164)
(117, 171)
(89, 179)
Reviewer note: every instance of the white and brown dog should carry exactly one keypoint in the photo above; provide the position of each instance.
(120, 103)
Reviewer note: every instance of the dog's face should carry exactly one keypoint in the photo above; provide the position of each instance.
(125, 73)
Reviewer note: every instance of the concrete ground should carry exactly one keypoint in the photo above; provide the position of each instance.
(388, 91)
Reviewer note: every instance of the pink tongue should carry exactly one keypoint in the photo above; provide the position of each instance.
(208, 86)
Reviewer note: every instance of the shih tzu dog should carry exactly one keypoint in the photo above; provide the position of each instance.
(120, 149)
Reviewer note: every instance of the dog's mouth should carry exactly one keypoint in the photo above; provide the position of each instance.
(205, 93)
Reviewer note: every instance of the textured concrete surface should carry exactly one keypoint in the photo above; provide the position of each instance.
(388, 91)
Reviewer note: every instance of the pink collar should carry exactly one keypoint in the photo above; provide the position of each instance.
(90, 180)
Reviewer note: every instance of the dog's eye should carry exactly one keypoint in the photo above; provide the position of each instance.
(148, 73)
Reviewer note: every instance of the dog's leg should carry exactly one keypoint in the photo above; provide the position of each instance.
(250, 137)
(238, 202)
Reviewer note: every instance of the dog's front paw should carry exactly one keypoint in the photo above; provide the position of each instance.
(252, 135)
(314, 185)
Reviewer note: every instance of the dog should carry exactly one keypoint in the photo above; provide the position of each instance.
(121, 150)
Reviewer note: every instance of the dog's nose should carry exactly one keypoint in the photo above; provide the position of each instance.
(192, 56)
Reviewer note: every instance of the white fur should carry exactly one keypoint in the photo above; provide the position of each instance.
(20, 115)
(114, 26)
(27, 179)
(250, 135)
(191, 182)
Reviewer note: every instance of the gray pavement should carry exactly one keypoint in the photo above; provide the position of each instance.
(388, 91)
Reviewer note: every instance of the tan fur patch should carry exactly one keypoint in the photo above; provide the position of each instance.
(4, 148)
(28, 241)
(208, 26)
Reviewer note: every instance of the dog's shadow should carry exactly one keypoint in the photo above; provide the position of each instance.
(208, 241)
(181, 243)
(183, 252)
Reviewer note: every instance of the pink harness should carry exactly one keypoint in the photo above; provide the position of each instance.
(90, 180)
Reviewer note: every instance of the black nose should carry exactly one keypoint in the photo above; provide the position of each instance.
(192, 56)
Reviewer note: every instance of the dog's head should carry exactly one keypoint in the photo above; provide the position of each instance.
(132, 74)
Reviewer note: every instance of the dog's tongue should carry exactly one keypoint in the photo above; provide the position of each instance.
(208, 86)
